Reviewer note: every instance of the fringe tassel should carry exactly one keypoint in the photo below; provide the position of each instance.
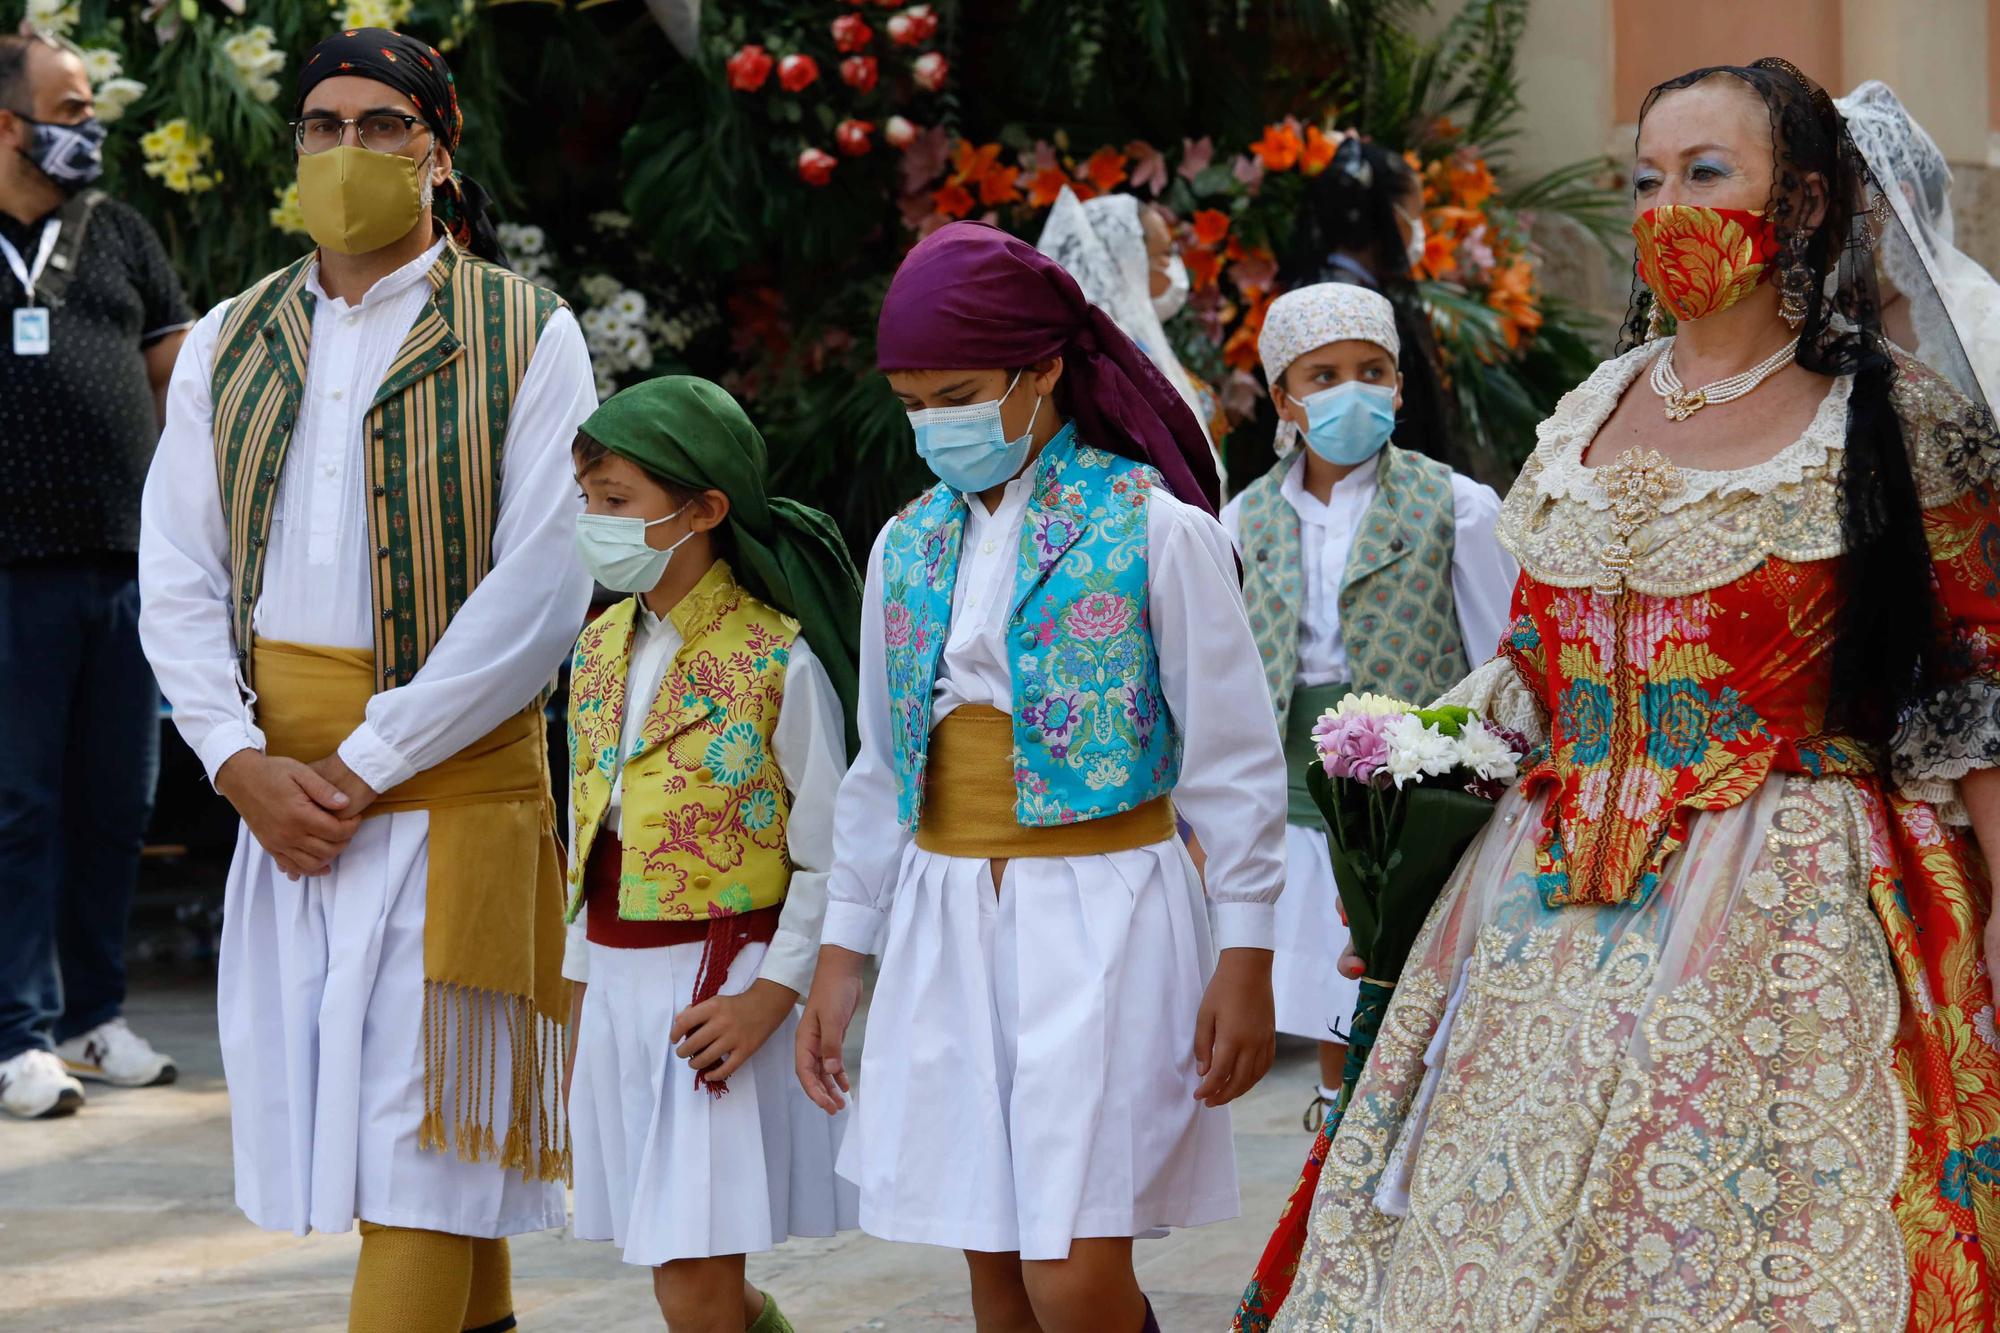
(726, 938)
(462, 1047)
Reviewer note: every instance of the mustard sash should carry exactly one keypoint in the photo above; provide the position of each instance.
(968, 807)
(493, 933)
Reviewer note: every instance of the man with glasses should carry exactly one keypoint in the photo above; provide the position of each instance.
(90, 320)
(359, 580)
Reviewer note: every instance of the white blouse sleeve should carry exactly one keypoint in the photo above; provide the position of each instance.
(513, 631)
(1232, 782)
(810, 745)
(1482, 570)
(868, 841)
(184, 619)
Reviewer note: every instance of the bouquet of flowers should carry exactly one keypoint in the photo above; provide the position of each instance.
(1403, 791)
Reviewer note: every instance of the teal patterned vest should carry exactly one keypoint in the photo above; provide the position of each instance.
(1092, 734)
(1398, 622)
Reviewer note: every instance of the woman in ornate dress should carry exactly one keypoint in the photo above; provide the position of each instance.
(1700, 1036)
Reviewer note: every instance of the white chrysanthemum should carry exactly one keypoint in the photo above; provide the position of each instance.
(102, 64)
(1418, 751)
(601, 289)
(1481, 750)
(1371, 705)
(116, 96)
(629, 305)
(53, 18)
(638, 353)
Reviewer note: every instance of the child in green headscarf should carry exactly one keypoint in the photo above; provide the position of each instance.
(710, 715)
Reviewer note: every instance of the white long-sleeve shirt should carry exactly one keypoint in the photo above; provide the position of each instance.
(810, 745)
(1232, 780)
(507, 639)
(1482, 572)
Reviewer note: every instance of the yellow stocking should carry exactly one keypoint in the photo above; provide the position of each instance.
(490, 1308)
(410, 1281)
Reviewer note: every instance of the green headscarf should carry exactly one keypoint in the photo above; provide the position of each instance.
(694, 434)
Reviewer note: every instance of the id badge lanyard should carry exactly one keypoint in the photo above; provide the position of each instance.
(31, 323)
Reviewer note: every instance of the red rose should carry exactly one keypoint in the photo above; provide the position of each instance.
(901, 30)
(923, 21)
(748, 69)
(900, 133)
(851, 137)
(859, 73)
(851, 33)
(796, 72)
(815, 167)
(929, 71)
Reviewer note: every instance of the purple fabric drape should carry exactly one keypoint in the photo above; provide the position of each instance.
(972, 297)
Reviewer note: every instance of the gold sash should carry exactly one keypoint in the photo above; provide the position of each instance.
(493, 932)
(968, 807)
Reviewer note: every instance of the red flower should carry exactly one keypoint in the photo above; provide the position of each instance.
(1047, 186)
(859, 73)
(748, 69)
(797, 72)
(1278, 150)
(1202, 266)
(815, 166)
(1318, 151)
(923, 22)
(903, 30)
(900, 133)
(1210, 227)
(954, 200)
(997, 186)
(851, 33)
(1105, 169)
(929, 71)
(851, 137)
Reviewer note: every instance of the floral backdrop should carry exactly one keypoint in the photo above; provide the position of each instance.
(725, 189)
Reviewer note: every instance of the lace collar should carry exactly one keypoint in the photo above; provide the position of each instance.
(1563, 438)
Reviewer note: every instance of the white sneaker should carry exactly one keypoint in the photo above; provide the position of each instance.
(114, 1053)
(35, 1086)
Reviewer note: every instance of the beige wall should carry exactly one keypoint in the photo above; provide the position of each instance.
(1656, 40)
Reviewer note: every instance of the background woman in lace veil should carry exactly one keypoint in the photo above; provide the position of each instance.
(1362, 222)
(1936, 299)
(1702, 1030)
(1122, 256)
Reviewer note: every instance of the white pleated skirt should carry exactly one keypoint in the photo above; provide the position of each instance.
(668, 1171)
(1313, 999)
(320, 998)
(1028, 1072)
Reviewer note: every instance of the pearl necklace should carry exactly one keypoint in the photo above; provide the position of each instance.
(1682, 403)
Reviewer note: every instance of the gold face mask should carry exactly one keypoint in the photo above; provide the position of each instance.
(355, 200)
(1701, 261)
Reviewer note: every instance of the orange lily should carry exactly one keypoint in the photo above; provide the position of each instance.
(1046, 185)
(1203, 267)
(997, 186)
(954, 200)
(1279, 149)
(1318, 151)
(1210, 226)
(1106, 168)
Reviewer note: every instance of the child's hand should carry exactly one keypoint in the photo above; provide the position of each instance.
(1236, 1031)
(719, 1035)
(836, 990)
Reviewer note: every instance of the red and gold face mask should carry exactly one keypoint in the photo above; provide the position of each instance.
(1701, 261)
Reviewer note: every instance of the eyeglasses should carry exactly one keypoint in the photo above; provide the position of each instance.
(379, 132)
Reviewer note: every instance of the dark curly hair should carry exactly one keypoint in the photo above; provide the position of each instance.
(1887, 648)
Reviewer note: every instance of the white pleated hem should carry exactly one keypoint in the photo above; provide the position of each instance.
(663, 1169)
(1028, 1074)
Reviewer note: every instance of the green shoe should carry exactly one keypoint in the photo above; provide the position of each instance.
(773, 1319)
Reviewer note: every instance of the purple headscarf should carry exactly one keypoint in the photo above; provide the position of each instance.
(972, 297)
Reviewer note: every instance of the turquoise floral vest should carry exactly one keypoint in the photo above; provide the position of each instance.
(1092, 734)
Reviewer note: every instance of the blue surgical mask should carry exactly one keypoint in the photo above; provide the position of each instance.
(615, 551)
(1349, 423)
(968, 448)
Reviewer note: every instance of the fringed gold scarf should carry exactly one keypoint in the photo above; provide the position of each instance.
(493, 932)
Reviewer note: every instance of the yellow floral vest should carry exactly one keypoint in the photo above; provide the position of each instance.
(704, 803)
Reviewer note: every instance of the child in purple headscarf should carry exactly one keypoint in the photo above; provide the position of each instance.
(1054, 658)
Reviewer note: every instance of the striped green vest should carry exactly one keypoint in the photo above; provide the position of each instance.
(1398, 622)
(435, 432)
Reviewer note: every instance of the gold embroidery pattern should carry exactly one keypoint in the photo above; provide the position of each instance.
(1677, 1117)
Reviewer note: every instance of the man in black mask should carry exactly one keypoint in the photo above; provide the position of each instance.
(90, 320)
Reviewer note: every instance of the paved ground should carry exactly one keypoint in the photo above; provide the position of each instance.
(120, 1218)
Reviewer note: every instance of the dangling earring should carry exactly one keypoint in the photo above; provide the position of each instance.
(1656, 322)
(1794, 283)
